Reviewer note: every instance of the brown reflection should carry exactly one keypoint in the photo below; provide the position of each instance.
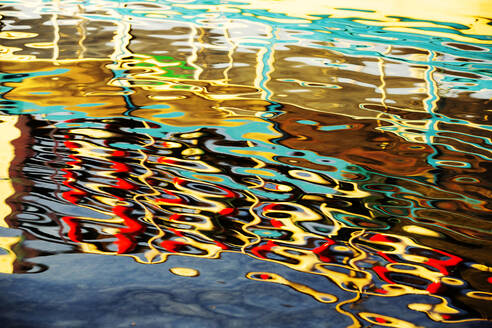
(356, 141)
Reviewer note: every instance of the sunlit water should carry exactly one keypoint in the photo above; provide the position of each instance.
(274, 163)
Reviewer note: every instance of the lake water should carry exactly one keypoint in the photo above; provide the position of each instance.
(245, 163)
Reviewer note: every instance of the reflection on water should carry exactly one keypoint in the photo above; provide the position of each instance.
(347, 144)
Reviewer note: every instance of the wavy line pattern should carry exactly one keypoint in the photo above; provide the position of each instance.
(351, 146)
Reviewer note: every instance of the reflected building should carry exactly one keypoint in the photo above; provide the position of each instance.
(219, 140)
(149, 186)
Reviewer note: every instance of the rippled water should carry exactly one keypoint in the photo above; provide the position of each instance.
(280, 163)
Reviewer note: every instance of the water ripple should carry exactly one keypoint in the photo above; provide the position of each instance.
(350, 148)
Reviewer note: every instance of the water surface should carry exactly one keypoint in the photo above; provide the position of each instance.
(244, 164)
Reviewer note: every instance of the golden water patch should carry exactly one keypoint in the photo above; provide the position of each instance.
(16, 35)
(184, 272)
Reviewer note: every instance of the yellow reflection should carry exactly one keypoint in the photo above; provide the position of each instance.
(275, 278)
(184, 272)
(16, 35)
(480, 295)
(7, 260)
(386, 321)
(421, 231)
(467, 13)
(40, 45)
